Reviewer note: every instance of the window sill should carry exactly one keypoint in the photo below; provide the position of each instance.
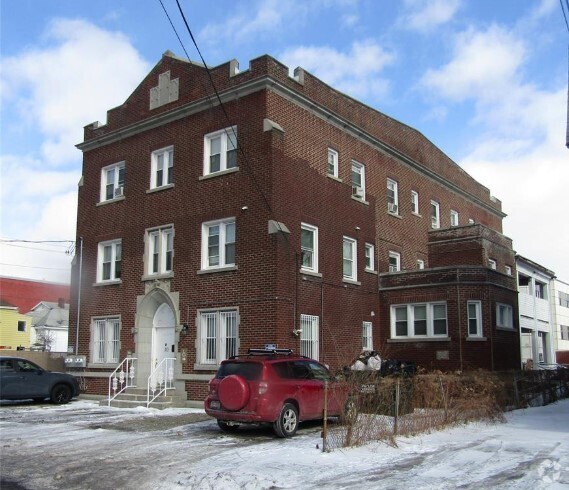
(476, 339)
(310, 273)
(395, 215)
(161, 188)
(351, 281)
(333, 177)
(362, 201)
(371, 271)
(110, 201)
(217, 269)
(217, 174)
(506, 329)
(418, 339)
(153, 277)
(102, 365)
(417, 214)
(206, 367)
(107, 283)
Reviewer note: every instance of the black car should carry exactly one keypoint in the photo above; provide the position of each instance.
(21, 379)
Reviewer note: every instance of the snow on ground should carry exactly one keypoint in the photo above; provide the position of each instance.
(82, 446)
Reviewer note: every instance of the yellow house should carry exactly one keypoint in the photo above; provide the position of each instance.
(15, 328)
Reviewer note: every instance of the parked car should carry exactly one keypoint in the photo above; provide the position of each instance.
(21, 379)
(273, 386)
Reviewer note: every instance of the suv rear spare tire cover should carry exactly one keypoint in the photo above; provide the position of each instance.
(233, 392)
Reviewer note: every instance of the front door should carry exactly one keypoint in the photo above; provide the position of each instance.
(163, 335)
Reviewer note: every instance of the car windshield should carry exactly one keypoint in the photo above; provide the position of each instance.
(251, 371)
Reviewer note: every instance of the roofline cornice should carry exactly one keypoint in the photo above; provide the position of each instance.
(266, 82)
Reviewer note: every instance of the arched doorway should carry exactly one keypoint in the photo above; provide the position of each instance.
(163, 334)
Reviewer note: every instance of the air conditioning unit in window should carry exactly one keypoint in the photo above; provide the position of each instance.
(119, 191)
(357, 192)
(392, 208)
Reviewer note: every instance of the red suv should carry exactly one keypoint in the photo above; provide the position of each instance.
(272, 386)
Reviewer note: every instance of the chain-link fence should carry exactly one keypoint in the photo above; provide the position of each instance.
(380, 409)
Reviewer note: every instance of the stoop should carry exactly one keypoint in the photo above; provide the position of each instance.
(137, 397)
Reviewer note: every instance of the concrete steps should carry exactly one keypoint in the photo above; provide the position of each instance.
(136, 397)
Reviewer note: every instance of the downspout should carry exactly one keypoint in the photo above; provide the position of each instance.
(321, 319)
(459, 311)
(79, 295)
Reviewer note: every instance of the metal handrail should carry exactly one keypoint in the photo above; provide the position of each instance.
(122, 377)
(161, 379)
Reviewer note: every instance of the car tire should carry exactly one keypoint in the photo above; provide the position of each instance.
(225, 427)
(286, 424)
(60, 394)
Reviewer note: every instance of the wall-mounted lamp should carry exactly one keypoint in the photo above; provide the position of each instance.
(184, 328)
(296, 331)
(358, 228)
(244, 208)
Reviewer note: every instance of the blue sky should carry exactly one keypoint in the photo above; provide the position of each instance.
(485, 80)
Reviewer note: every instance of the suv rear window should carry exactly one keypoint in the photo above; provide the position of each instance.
(251, 371)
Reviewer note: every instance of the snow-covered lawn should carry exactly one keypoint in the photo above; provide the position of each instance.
(82, 445)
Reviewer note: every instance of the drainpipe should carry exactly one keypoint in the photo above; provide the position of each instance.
(459, 311)
(79, 295)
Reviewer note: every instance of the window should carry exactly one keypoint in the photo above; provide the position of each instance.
(564, 332)
(420, 264)
(540, 290)
(332, 162)
(453, 217)
(218, 335)
(358, 180)
(392, 197)
(112, 182)
(367, 336)
(504, 316)
(492, 264)
(563, 299)
(309, 336)
(370, 257)
(309, 247)
(349, 259)
(435, 215)
(218, 244)
(109, 261)
(474, 319)
(160, 250)
(162, 167)
(415, 202)
(419, 320)
(220, 151)
(394, 261)
(508, 270)
(21, 326)
(106, 340)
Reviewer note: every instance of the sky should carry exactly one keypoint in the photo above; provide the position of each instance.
(530, 451)
(485, 80)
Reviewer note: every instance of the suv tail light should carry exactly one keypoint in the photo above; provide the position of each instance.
(213, 387)
(263, 387)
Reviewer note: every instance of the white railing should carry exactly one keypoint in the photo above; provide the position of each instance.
(123, 375)
(161, 379)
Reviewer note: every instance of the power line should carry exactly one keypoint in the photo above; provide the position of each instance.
(35, 267)
(564, 14)
(8, 240)
(35, 248)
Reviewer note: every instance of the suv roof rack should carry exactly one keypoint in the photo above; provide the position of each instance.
(273, 352)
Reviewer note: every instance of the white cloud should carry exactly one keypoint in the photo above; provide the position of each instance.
(520, 151)
(425, 15)
(355, 72)
(53, 91)
(61, 88)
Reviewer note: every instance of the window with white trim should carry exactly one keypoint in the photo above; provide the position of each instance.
(349, 259)
(160, 250)
(394, 261)
(112, 182)
(453, 217)
(474, 318)
(308, 247)
(309, 345)
(392, 196)
(415, 202)
(435, 215)
(218, 334)
(492, 264)
(358, 180)
(218, 244)
(105, 344)
(504, 316)
(370, 257)
(109, 259)
(162, 167)
(332, 162)
(367, 336)
(420, 264)
(419, 320)
(220, 150)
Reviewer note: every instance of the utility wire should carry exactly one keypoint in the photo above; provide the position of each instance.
(564, 14)
(34, 267)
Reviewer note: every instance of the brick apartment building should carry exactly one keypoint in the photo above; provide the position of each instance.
(290, 214)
